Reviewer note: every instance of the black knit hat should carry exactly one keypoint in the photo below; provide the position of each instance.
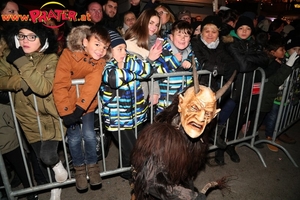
(243, 20)
(115, 39)
(293, 41)
(212, 19)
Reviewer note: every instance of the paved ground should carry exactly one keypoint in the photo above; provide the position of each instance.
(250, 180)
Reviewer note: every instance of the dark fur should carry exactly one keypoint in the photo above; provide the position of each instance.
(165, 156)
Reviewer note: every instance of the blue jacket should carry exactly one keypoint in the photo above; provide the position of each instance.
(123, 81)
(168, 63)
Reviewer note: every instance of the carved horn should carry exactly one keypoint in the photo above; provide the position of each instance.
(221, 91)
(195, 76)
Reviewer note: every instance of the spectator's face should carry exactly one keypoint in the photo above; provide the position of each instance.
(95, 10)
(244, 32)
(29, 45)
(164, 15)
(181, 39)
(11, 8)
(134, 2)
(119, 53)
(95, 47)
(153, 25)
(110, 8)
(199, 18)
(186, 18)
(279, 53)
(210, 33)
(294, 49)
(129, 19)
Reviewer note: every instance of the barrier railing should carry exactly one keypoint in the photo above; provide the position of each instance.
(287, 116)
(288, 113)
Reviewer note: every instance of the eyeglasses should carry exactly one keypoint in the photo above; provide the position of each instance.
(162, 12)
(29, 37)
(185, 18)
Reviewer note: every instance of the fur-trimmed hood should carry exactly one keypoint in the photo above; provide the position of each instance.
(76, 36)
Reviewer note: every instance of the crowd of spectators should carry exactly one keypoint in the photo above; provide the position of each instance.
(134, 45)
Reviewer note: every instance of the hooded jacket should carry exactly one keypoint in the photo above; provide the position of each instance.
(129, 108)
(75, 63)
(38, 74)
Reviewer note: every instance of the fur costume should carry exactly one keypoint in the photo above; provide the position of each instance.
(169, 153)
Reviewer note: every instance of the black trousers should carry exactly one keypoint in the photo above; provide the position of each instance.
(46, 153)
(127, 143)
(15, 160)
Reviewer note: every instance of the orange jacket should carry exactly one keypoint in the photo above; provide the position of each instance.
(77, 65)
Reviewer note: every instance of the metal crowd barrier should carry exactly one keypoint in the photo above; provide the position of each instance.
(288, 113)
(287, 116)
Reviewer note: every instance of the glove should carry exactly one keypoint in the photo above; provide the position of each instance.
(15, 54)
(4, 98)
(27, 92)
(291, 60)
(73, 118)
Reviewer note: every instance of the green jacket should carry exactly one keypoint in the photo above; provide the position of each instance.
(281, 72)
(8, 135)
(35, 70)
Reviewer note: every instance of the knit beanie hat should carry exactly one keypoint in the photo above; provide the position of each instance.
(212, 19)
(293, 41)
(243, 20)
(183, 13)
(115, 39)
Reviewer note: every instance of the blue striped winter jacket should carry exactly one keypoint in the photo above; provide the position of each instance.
(168, 63)
(122, 82)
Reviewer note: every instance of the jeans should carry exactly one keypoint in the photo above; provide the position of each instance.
(83, 153)
(270, 120)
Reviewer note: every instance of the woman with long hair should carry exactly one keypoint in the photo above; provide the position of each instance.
(141, 41)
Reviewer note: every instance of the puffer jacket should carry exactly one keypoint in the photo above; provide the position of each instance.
(74, 63)
(249, 57)
(131, 104)
(168, 63)
(216, 60)
(38, 74)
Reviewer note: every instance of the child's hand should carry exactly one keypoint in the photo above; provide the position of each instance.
(178, 56)
(155, 52)
(186, 64)
(154, 99)
(15, 54)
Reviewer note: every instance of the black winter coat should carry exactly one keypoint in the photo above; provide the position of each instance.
(249, 57)
(217, 60)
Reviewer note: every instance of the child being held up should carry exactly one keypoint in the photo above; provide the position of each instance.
(176, 56)
(83, 59)
(122, 97)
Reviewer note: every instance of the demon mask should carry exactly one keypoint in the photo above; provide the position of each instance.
(198, 106)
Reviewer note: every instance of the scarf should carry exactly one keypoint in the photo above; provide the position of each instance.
(184, 52)
(212, 45)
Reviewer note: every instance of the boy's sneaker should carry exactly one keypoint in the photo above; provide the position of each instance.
(272, 147)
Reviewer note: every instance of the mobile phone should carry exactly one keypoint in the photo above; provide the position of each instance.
(159, 41)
